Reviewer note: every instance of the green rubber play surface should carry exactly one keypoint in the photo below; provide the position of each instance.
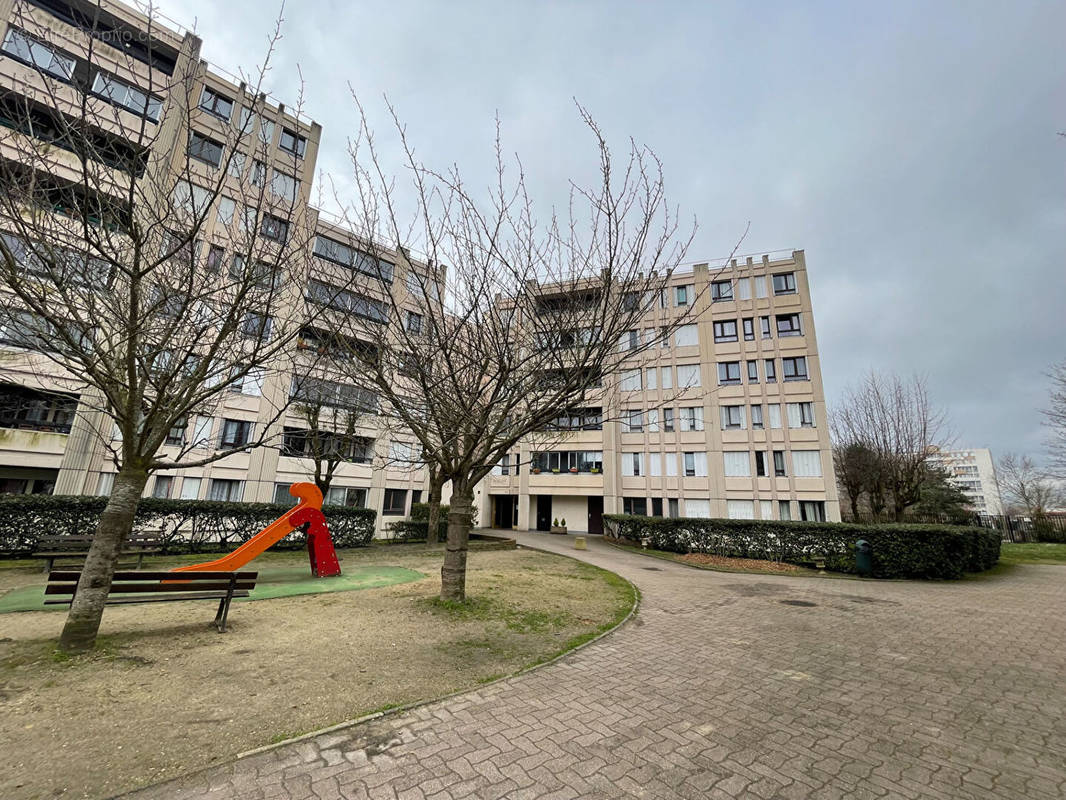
(272, 583)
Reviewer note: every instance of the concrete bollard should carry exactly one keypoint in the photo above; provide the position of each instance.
(579, 543)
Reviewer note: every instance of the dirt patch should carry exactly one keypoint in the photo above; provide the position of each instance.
(753, 564)
(165, 694)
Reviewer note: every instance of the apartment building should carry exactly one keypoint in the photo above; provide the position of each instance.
(724, 418)
(50, 440)
(973, 472)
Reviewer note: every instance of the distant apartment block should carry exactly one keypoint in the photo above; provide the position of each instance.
(724, 418)
(973, 471)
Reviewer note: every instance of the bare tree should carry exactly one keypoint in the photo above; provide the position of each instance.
(118, 284)
(1055, 419)
(1024, 484)
(539, 317)
(894, 423)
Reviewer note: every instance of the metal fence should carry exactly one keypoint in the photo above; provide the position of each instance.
(1013, 528)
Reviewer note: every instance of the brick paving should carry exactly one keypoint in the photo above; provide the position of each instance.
(731, 686)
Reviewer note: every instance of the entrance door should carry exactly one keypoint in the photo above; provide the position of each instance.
(595, 514)
(504, 511)
(544, 512)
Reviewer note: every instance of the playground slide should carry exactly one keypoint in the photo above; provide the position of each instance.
(310, 497)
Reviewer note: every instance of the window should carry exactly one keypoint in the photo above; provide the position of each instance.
(692, 418)
(235, 433)
(201, 431)
(784, 510)
(128, 97)
(812, 510)
(284, 186)
(250, 384)
(259, 170)
(664, 336)
(806, 463)
(656, 506)
(164, 484)
(771, 371)
(635, 506)
(779, 464)
(395, 502)
(651, 378)
(105, 483)
(401, 453)
(266, 131)
(236, 165)
(737, 464)
(688, 376)
(682, 295)
(721, 291)
(343, 300)
(788, 325)
(668, 420)
(216, 104)
(753, 372)
(732, 418)
(760, 464)
(728, 372)
(667, 378)
(655, 465)
(671, 507)
(800, 415)
(630, 340)
(334, 394)
(764, 326)
(794, 369)
(632, 421)
(274, 228)
(749, 329)
(687, 336)
(775, 415)
(785, 283)
(215, 256)
(632, 464)
(630, 381)
(414, 323)
(760, 286)
(766, 509)
(206, 150)
(695, 465)
(744, 288)
(225, 490)
(756, 418)
(176, 435)
(697, 508)
(338, 253)
(503, 466)
(740, 509)
(292, 143)
(190, 488)
(725, 331)
(37, 54)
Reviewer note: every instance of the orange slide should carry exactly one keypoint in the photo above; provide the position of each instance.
(310, 498)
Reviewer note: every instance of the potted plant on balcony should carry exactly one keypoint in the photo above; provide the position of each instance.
(573, 470)
(595, 470)
(556, 527)
(555, 470)
(536, 470)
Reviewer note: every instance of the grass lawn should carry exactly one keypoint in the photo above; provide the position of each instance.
(165, 693)
(1033, 553)
(751, 566)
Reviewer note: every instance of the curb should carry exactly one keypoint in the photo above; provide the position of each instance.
(634, 609)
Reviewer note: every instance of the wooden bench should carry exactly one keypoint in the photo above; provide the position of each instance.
(159, 587)
(56, 546)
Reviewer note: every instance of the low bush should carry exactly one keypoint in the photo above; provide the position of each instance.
(898, 551)
(185, 526)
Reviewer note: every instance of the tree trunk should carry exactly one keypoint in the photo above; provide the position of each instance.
(434, 511)
(116, 522)
(853, 498)
(453, 573)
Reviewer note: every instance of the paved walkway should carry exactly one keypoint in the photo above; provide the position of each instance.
(732, 686)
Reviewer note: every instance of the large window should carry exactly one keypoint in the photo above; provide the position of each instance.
(749, 329)
(632, 421)
(395, 504)
(204, 149)
(577, 419)
(737, 464)
(688, 376)
(740, 509)
(688, 336)
(691, 418)
(785, 283)
(771, 371)
(292, 143)
(682, 295)
(37, 54)
(632, 464)
(794, 369)
(630, 380)
(732, 418)
(225, 490)
(339, 253)
(806, 463)
(721, 291)
(274, 228)
(128, 97)
(635, 506)
(235, 433)
(695, 465)
(216, 104)
(695, 508)
(728, 372)
(22, 407)
(812, 510)
(343, 300)
(800, 415)
(779, 464)
(319, 391)
(788, 325)
(725, 331)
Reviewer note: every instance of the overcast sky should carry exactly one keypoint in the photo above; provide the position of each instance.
(910, 149)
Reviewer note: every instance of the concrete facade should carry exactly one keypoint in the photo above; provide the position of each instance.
(973, 471)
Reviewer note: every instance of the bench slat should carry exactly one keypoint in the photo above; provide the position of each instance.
(154, 575)
(157, 599)
(142, 588)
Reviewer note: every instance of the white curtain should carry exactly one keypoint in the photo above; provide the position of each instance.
(671, 465)
(760, 286)
(792, 411)
(686, 336)
(807, 463)
(688, 376)
(740, 509)
(668, 378)
(190, 488)
(744, 288)
(630, 380)
(766, 509)
(737, 464)
(652, 382)
(697, 508)
(775, 415)
(655, 464)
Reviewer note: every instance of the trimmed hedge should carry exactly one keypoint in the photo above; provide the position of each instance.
(185, 526)
(898, 551)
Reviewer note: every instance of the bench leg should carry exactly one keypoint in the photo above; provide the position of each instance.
(220, 617)
(140, 560)
(48, 564)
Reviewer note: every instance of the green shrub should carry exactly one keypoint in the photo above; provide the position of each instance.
(184, 525)
(898, 551)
